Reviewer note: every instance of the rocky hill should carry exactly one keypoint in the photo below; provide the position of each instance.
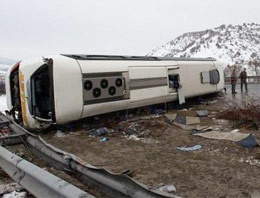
(231, 44)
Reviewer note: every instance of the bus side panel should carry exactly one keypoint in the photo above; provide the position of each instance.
(221, 83)
(190, 78)
(67, 80)
(148, 85)
(101, 108)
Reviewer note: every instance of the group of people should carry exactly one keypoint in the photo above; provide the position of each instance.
(243, 80)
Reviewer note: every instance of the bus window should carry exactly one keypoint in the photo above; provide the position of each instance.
(41, 94)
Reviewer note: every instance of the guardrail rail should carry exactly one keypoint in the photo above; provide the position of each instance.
(111, 184)
(37, 181)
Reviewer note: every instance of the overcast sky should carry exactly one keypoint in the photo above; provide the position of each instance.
(30, 28)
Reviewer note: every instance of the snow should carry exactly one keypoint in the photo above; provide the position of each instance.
(228, 44)
(2, 72)
(12, 190)
(5, 63)
(15, 194)
(3, 103)
(4, 68)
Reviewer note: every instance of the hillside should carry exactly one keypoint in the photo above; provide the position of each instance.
(233, 45)
(5, 64)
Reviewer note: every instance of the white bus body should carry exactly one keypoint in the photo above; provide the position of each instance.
(63, 88)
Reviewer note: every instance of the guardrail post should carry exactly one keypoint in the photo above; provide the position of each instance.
(39, 182)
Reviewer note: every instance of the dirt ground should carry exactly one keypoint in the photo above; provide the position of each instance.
(4, 178)
(221, 168)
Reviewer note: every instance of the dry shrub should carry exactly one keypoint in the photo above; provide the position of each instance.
(248, 114)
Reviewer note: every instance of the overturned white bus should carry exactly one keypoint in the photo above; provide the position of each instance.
(63, 88)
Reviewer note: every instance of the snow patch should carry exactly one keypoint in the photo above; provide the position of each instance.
(3, 103)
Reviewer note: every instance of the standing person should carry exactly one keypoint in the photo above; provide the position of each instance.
(233, 81)
(243, 78)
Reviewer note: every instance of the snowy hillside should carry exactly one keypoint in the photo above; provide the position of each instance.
(5, 64)
(230, 44)
(3, 68)
(2, 72)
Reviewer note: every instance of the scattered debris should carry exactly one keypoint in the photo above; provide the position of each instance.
(243, 139)
(192, 148)
(15, 194)
(154, 110)
(186, 120)
(251, 161)
(104, 139)
(128, 173)
(203, 129)
(4, 131)
(138, 118)
(255, 194)
(192, 120)
(131, 132)
(169, 188)
(182, 119)
(249, 142)
(182, 126)
(172, 119)
(217, 135)
(8, 188)
(144, 140)
(234, 131)
(202, 113)
(99, 132)
(134, 137)
(149, 141)
(144, 128)
(171, 116)
(59, 134)
(195, 131)
(12, 190)
(209, 102)
(221, 121)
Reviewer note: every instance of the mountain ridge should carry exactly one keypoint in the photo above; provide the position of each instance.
(233, 45)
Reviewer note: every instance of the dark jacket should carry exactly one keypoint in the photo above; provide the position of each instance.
(243, 76)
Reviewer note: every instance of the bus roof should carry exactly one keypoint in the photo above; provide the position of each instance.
(135, 58)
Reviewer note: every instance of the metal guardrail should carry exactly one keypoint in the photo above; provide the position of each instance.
(250, 79)
(111, 184)
(37, 181)
(16, 136)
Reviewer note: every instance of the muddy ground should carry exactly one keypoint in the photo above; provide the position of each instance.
(220, 169)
